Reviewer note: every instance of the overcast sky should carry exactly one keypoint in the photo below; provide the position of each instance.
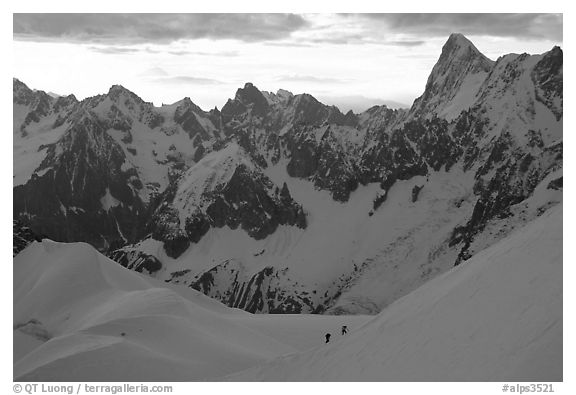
(352, 60)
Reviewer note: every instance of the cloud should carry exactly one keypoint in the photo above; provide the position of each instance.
(125, 29)
(294, 44)
(155, 72)
(119, 30)
(359, 103)
(309, 79)
(227, 54)
(407, 43)
(340, 38)
(114, 50)
(364, 38)
(526, 26)
(188, 80)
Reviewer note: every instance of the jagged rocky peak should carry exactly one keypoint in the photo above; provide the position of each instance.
(454, 80)
(18, 87)
(245, 98)
(122, 100)
(459, 51)
(459, 58)
(547, 75)
(283, 93)
(118, 92)
(310, 111)
(64, 101)
(22, 94)
(459, 46)
(251, 97)
(556, 51)
(281, 97)
(186, 104)
(215, 112)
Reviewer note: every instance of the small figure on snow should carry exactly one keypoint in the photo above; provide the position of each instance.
(328, 337)
(344, 329)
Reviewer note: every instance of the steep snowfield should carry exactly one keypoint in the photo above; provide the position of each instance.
(510, 86)
(396, 245)
(27, 151)
(81, 316)
(464, 98)
(498, 317)
(212, 171)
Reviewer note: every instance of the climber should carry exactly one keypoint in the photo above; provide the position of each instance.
(344, 329)
(327, 337)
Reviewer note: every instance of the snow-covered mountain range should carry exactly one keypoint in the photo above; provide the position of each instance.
(278, 203)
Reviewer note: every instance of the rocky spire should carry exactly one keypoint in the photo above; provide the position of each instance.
(250, 96)
(460, 60)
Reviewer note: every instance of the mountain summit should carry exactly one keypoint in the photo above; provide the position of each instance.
(461, 69)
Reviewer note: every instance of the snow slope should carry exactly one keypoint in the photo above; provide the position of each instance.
(214, 170)
(80, 316)
(498, 317)
(393, 245)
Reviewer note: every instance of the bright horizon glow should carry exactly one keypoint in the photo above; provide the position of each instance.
(354, 75)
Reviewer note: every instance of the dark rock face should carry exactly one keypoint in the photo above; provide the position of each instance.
(185, 115)
(507, 177)
(165, 226)
(65, 201)
(324, 162)
(248, 201)
(136, 260)
(392, 159)
(252, 98)
(434, 143)
(257, 212)
(336, 172)
(468, 130)
(22, 236)
(378, 200)
(265, 291)
(303, 162)
(231, 109)
(309, 111)
(415, 192)
(548, 77)
(555, 184)
(248, 99)
(196, 227)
